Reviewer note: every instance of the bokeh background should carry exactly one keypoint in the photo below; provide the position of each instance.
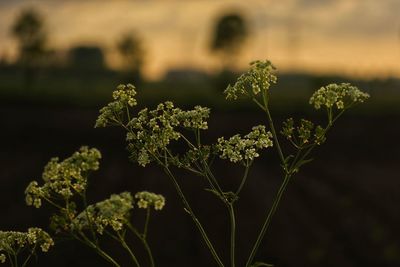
(60, 61)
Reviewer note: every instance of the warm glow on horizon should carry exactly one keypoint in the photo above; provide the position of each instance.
(347, 37)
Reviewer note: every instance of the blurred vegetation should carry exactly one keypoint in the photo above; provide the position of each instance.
(230, 33)
(28, 30)
(132, 53)
(65, 86)
(80, 76)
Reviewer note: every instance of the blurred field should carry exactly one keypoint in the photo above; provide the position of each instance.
(341, 210)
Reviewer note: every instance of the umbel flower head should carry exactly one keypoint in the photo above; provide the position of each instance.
(148, 199)
(12, 242)
(113, 212)
(64, 179)
(258, 79)
(152, 131)
(303, 134)
(340, 96)
(238, 149)
(124, 97)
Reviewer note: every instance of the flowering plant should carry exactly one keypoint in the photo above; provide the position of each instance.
(152, 136)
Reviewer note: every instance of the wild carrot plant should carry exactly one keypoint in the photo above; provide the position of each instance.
(151, 137)
(149, 134)
(64, 187)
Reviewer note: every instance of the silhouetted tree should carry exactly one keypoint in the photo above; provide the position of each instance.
(29, 31)
(131, 50)
(230, 33)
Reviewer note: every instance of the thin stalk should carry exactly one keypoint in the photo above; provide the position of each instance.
(146, 223)
(211, 175)
(15, 259)
(233, 233)
(246, 172)
(197, 135)
(330, 116)
(145, 244)
(128, 115)
(106, 257)
(98, 250)
(298, 159)
(295, 160)
(53, 203)
(88, 218)
(189, 210)
(148, 250)
(127, 248)
(10, 259)
(193, 170)
(275, 136)
(190, 144)
(213, 182)
(194, 218)
(259, 104)
(267, 221)
(29, 257)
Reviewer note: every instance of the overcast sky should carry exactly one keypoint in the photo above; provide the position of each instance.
(352, 37)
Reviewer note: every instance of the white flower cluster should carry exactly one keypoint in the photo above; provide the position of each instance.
(113, 212)
(152, 131)
(258, 78)
(148, 199)
(125, 94)
(124, 97)
(12, 242)
(340, 95)
(238, 149)
(194, 119)
(64, 179)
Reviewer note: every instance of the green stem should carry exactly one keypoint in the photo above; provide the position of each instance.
(29, 257)
(15, 259)
(246, 172)
(206, 169)
(271, 124)
(128, 115)
(148, 250)
(52, 203)
(146, 223)
(275, 136)
(295, 164)
(88, 218)
(144, 241)
(211, 179)
(259, 104)
(127, 248)
(188, 142)
(97, 249)
(194, 218)
(267, 221)
(233, 232)
(10, 259)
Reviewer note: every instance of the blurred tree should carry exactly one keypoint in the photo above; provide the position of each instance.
(132, 53)
(29, 31)
(231, 32)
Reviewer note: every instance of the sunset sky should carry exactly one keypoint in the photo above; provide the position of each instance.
(349, 37)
